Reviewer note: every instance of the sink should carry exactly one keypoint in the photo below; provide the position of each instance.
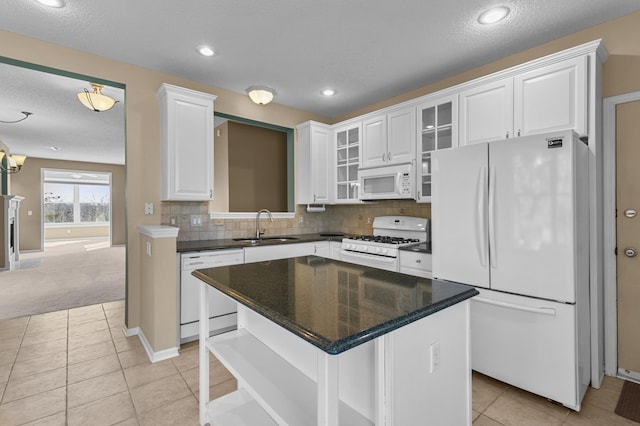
(247, 240)
(281, 238)
(257, 240)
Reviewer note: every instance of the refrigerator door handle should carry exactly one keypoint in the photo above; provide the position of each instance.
(481, 217)
(507, 305)
(492, 223)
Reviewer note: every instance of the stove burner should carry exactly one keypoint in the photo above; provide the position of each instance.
(386, 239)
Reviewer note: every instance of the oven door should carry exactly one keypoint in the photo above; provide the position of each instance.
(371, 260)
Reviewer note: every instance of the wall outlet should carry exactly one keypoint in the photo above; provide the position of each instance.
(172, 221)
(301, 219)
(195, 220)
(148, 249)
(434, 351)
(148, 208)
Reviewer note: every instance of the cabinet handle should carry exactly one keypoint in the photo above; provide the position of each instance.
(389, 156)
(211, 193)
(507, 134)
(418, 261)
(518, 132)
(383, 158)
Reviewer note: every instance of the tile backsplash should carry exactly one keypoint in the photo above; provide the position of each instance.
(351, 219)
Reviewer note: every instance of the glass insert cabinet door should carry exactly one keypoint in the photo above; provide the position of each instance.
(347, 161)
(437, 129)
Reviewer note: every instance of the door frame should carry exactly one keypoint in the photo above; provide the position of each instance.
(610, 243)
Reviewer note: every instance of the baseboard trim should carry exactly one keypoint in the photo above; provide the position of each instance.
(629, 375)
(156, 356)
(128, 332)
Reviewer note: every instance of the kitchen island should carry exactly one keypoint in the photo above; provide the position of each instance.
(323, 342)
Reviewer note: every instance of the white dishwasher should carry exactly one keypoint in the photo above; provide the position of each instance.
(223, 309)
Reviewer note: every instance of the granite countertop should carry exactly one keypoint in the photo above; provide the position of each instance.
(220, 244)
(331, 304)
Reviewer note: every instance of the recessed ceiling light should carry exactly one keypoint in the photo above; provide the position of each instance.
(328, 92)
(51, 3)
(205, 51)
(493, 15)
(54, 148)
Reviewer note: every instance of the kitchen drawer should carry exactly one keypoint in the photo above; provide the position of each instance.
(413, 263)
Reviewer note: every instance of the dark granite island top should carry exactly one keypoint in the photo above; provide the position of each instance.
(331, 304)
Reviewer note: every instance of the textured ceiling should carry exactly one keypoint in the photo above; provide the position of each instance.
(367, 50)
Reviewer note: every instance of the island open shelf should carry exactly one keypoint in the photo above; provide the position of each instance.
(310, 351)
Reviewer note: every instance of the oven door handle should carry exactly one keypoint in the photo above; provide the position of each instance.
(355, 255)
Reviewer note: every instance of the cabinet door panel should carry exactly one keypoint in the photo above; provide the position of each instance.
(374, 141)
(552, 98)
(486, 113)
(401, 136)
(320, 165)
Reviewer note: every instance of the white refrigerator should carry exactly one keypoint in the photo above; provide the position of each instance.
(511, 217)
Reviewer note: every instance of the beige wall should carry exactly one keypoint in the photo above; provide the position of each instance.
(142, 129)
(158, 307)
(82, 231)
(220, 201)
(28, 182)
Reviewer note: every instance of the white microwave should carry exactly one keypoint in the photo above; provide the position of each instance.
(388, 182)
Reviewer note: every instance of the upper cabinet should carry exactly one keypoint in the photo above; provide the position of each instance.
(314, 172)
(186, 120)
(347, 160)
(437, 129)
(389, 138)
(552, 97)
(486, 112)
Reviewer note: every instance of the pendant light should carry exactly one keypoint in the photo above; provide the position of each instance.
(95, 100)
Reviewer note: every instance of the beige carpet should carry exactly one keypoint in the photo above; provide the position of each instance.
(68, 274)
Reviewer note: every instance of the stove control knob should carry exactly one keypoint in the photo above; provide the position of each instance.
(377, 250)
(350, 246)
(362, 248)
(385, 251)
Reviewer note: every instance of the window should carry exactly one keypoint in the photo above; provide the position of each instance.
(73, 198)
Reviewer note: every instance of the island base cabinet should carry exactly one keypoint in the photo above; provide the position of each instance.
(395, 379)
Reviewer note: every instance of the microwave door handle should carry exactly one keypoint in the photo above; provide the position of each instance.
(398, 180)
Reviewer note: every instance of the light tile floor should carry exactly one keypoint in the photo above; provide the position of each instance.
(75, 367)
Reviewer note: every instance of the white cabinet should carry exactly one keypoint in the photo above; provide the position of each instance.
(186, 120)
(314, 172)
(415, 263)
(347, 160)
(549, 98)
(486, 112)
(437, 129)
(552, 98)
(284, 251)
(389, 138)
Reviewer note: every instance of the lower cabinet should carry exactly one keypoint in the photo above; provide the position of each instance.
(413, 263)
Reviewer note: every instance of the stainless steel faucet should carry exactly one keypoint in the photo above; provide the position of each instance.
(258, 232)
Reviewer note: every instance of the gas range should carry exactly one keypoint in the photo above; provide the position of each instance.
(389, 234)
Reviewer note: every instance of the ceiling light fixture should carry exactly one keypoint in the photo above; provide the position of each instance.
(54, 148)
(205, 51)
(493, 15)
(261, 95)
(328, 92)
(12, 163)
(51, 3)
(95, 100)
(26, 115)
